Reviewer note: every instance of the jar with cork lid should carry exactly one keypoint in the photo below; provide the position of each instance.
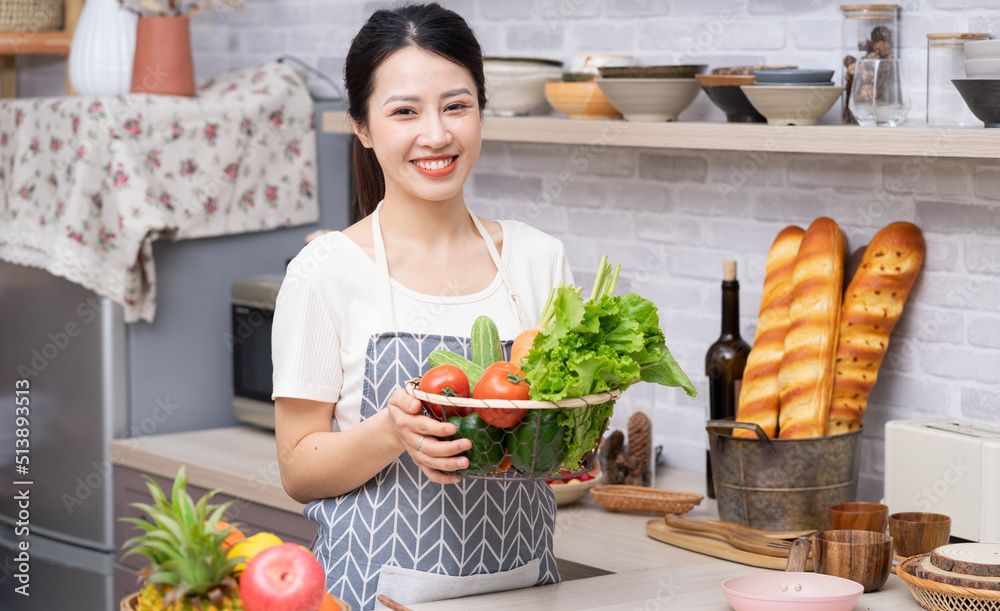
(870, 31)
(946, 61)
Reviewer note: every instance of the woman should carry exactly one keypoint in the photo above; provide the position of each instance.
(360, 310)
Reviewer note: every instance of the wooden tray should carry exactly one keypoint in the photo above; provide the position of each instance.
(713, 545)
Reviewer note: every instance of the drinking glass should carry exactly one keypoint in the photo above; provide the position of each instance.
(878, 94)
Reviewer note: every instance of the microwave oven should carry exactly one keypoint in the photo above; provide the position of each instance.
(252, 313)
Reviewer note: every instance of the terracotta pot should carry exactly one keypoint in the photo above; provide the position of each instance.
(163, 63)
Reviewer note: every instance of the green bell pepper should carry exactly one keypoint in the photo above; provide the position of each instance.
(536, 446)
(487, 449)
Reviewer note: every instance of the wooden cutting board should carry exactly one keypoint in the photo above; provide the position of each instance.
(713, 545)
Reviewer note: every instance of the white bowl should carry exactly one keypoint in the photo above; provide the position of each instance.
(982, 68)
(588, 63)
(516, 87)
(982, 49)
(650, 99)
(802, 105)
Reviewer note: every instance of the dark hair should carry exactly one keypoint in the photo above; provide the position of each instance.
(430, 27)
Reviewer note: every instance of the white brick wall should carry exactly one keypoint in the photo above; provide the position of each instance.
(671, 217)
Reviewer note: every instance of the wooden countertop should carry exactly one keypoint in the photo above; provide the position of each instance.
(648, 574)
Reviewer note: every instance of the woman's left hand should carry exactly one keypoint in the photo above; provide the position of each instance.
(420, 435)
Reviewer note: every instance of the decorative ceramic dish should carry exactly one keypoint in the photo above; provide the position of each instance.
(580, 100)
(793, 75)
(571, 491)
(646, 99)
(747, 70)
(657, 72)
(982, 96)
(802, 105)
(516, 86)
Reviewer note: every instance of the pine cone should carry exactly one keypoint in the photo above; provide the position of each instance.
(640, 443)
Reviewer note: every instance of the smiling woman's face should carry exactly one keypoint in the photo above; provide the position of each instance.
(424, 124)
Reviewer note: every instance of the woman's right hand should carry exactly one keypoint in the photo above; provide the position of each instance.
(419, 435)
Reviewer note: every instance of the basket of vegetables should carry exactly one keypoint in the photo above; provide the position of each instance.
(541, 413)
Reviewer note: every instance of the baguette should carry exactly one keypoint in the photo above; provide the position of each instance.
(758, 400)
(806, 375)
(872, 307)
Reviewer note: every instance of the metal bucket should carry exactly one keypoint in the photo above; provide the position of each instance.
(781, 484)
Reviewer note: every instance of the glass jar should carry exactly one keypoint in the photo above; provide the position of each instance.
(871, 31)
(946, 61)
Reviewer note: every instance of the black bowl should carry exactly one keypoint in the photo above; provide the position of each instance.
(732, 101)
(982, 97)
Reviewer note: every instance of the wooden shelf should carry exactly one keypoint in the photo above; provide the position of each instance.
(696, 135)
(35, 43)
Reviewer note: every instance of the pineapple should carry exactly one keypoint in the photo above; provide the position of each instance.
(189, 569)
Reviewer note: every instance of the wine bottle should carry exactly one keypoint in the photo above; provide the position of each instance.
(725, 361)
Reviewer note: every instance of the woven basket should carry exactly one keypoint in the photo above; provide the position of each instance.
(506, 472)
(645, 500)
(31, 15)
(936, 596)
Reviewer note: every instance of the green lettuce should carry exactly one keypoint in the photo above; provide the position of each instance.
(607, 343)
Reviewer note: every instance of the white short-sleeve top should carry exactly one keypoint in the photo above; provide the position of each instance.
(327, 310)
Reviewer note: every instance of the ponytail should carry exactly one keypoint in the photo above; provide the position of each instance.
(369, 182)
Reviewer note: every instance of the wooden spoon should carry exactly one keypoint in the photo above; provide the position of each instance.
(391, 604)
(740, 539)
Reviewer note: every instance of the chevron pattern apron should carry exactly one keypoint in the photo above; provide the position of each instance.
(412, 539)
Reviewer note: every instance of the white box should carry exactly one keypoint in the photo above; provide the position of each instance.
(949, 467)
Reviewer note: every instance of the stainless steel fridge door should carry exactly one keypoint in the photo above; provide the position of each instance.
(62, 576)
(70, 346)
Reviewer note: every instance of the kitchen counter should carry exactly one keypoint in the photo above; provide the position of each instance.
(646, 574)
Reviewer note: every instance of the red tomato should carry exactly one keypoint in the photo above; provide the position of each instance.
(446, 380)
(501, 380)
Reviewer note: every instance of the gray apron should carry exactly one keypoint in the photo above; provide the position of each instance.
(411, 539)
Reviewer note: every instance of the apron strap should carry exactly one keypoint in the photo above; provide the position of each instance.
(382, 275)
(515, 303)
(384, 286)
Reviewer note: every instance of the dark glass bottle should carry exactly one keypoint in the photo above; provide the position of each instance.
(725, 360)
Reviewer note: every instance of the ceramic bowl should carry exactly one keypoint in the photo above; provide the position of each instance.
(577, 77)
(580, 100)
(589, 62)
(654, 72)
(572, 491)
(819, 84)
(516, 86)
(982, 68)
(793, 75)
(644, 99)
(725, 92)
(792, 105)
(982, 49)
(982, 96)
(746, 70)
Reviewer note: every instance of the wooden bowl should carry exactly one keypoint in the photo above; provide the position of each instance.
(859, 516)
(863, 556)
(580, 100)
(916, 532)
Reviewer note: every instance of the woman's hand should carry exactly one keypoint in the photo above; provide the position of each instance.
(419, 436)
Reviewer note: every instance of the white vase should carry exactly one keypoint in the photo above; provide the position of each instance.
(100, 60)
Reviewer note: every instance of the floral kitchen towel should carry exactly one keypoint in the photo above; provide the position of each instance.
(87, 184)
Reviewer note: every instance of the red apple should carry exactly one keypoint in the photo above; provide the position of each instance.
(285, 577)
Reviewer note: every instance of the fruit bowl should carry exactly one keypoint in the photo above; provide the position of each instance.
(572, 490)
(131, 603)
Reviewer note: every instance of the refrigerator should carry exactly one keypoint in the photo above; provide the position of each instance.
(63, 390)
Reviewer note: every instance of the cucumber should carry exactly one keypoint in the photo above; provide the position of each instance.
(486, 346)
(444, 357)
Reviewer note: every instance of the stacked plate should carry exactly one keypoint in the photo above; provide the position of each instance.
(797, 77)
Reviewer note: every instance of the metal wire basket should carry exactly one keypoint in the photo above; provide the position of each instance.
(530, 450)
